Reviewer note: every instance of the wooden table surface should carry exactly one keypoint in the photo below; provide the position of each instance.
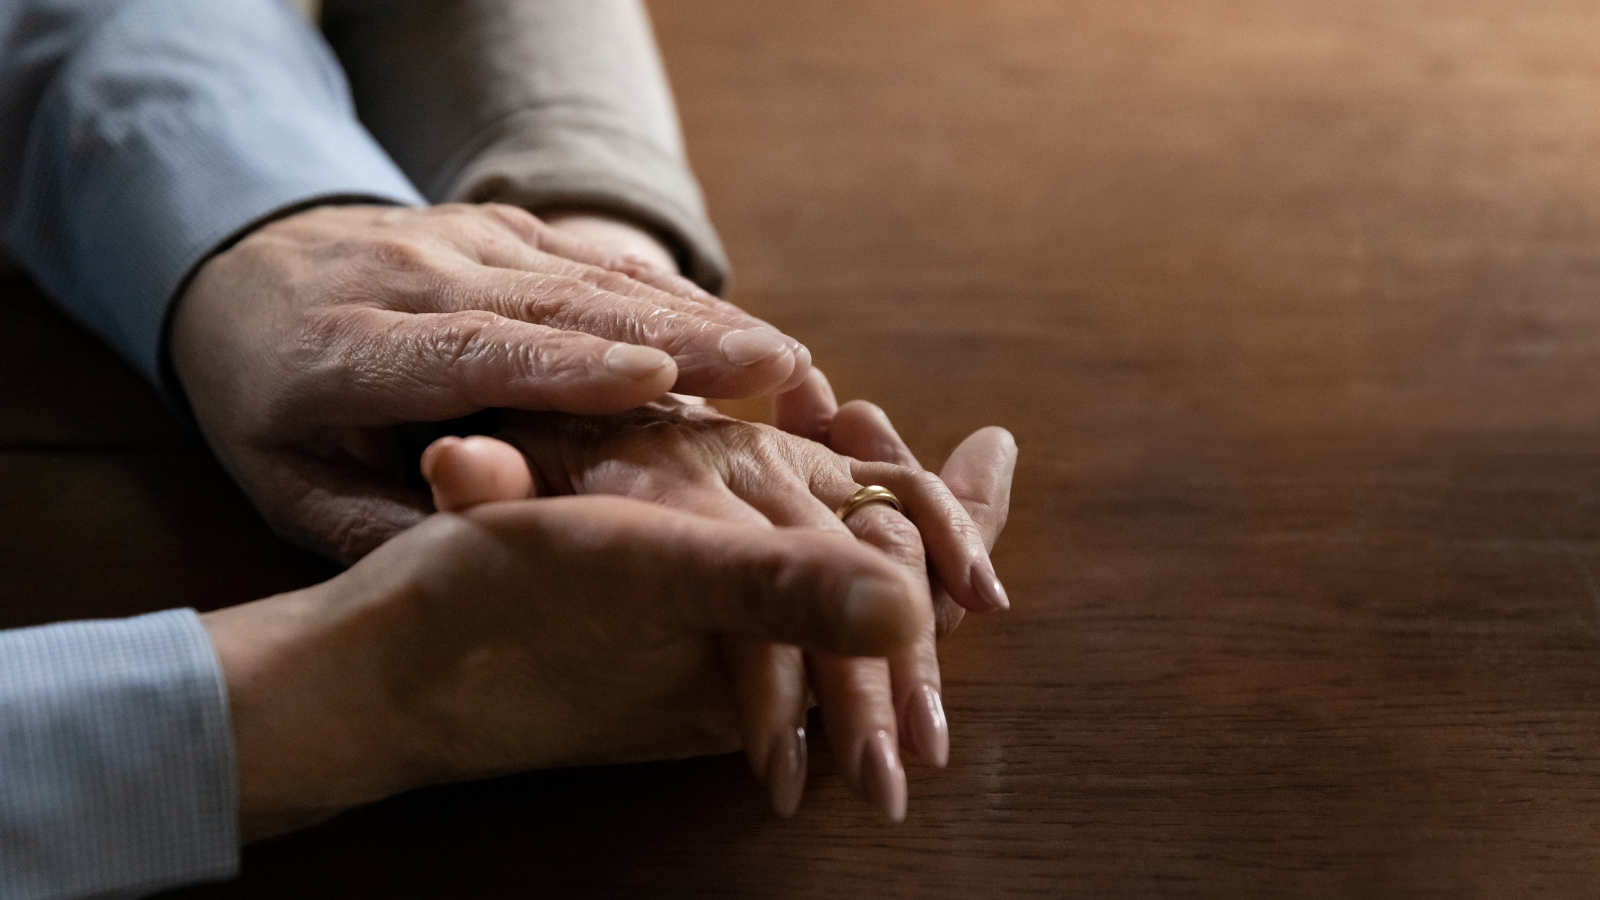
(1294, 309)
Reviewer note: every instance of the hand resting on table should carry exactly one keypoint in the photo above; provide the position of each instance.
(515, 636)
(695, 459)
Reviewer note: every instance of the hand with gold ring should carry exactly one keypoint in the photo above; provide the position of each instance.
(693, 458)
(978, 473)
(872, 493)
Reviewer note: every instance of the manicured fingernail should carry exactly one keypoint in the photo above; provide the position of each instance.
(786, 772)
(746, 348)
(802, 355)
(882, 777)
(988, 586)
(926, 725)
(635, 362)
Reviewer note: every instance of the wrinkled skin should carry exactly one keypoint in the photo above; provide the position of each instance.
(695, 459)
(982, 480)
(525, 635)
(302, 347)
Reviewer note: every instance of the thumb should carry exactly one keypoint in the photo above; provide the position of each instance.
(467, 471)
(979, 475)
(416, 367)
(807, 411)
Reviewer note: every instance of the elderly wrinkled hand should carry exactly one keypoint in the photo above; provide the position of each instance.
(695, 459)
(979, 474)
(302, 346)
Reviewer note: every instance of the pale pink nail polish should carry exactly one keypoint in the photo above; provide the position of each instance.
(786, 772)
(746, 348)
(988, 586)
(926, 725)
(882, 777)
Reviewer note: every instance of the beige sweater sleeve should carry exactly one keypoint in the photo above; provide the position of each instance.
(545, 104)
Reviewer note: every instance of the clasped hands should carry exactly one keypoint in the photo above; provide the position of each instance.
(509, 634)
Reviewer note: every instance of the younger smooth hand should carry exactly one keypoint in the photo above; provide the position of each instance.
(526, 635)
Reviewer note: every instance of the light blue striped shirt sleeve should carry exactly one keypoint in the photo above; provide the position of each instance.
(136, 136)
(116, 759)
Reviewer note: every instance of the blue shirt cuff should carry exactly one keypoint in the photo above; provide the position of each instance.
(171, 128)
(116, 759)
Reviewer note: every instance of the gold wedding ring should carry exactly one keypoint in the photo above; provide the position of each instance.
(872, 493)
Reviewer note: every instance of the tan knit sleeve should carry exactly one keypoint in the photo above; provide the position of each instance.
(545, 104)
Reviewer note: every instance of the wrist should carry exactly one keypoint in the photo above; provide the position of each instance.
(316, 729)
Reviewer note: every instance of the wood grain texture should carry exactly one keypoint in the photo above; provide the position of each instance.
(1292, 308)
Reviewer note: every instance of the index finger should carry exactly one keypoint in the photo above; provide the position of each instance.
(638, 279)
(954, 544)
(715, 357)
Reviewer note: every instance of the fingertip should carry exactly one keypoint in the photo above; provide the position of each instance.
(786, 772)
(987, 444)
(990, 594)
(864, 414)
(863, 430)
(883, 777)
(636, 362)
(802, 369)
(627, 377)
(430, 456)
(734, 370)
(752, 345)
(1004, 436)
(807, 410)
(820, 383)
(813, 394)
(926, 727)
(1003, 441)
(464, 472)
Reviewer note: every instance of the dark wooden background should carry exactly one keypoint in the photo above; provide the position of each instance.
(1294, 308)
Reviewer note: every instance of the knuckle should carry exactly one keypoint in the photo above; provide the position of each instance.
(450, 209)
(635, 267)
(756, 449)
(460, 338)
(924, 482)
(990, 517)
(324, 352)
(951, 517)
(514, 217)
(557, 359)
(890, 532)
(947, 617)
(607, 279)
(400, 253)
(463, 343)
